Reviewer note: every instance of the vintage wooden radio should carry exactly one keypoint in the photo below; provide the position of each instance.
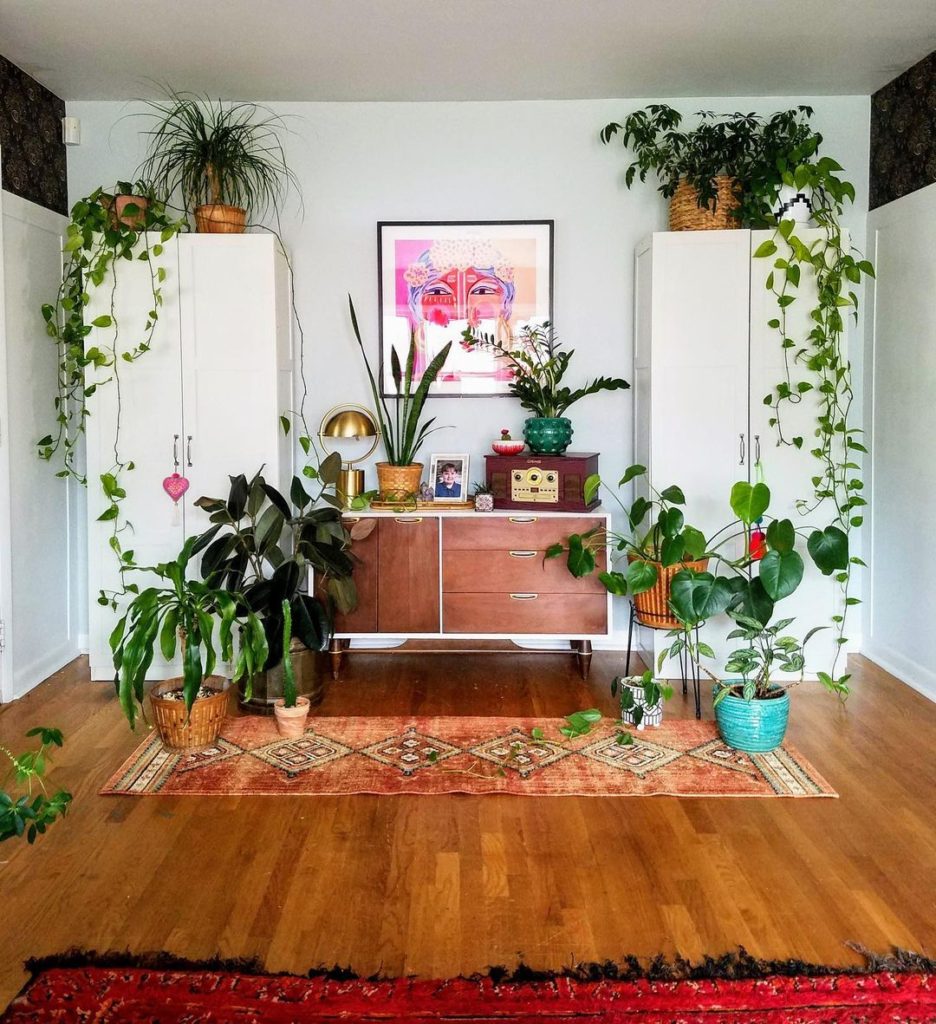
(545, 482)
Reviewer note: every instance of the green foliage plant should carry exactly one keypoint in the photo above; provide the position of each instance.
(27, 814)
(290, 694)
(747, 147)
(183, 612)
(403, 431)
(261, 546)
(97, 243)
(211, 152)
(657, 536)
(539, 365)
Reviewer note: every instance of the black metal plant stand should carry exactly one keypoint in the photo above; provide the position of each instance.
(688, 668)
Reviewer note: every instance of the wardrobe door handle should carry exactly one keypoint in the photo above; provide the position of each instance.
(408, 519)
(741, 450)
(522, 554)
(188, 450)
(523, 597)
(521, 519)
(175, 451)
(757, 447)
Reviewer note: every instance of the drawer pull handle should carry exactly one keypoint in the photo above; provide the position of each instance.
(523, 597)
(408, 519)
(521, 519)
(352, 519)
(522, 554)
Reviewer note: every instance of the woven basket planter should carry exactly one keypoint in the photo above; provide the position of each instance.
(218, 219)
(202, 727)
(685, 214)
(652, 606)
(398, 483)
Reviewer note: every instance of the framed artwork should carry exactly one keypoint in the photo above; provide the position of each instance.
(438, 278)
(448, 477)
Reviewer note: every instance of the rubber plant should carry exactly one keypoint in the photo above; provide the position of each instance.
(98, 241)
(26, 814)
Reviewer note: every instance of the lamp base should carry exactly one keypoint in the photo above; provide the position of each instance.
(350, 484)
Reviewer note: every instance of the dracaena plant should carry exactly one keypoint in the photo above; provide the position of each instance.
(261, 547)
(403, 430)
(183, 613)
(658, 536)
(539, 364)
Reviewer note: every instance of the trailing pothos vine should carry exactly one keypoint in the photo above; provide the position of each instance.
(818, 366)
(105, 228)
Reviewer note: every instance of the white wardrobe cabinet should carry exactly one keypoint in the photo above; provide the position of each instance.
(205, 401)
(705, 358)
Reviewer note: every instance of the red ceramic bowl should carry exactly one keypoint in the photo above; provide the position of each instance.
(508, 447)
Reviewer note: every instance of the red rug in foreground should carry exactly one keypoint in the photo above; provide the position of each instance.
(465, 755)
(106, 995)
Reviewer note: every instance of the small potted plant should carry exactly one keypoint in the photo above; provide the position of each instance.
(28, 815)
(403, 431)
(224, 159)
(483, 497)
(718, 173)
(655, 553)
(538, 365)
(641, 698)
(190, 710)
(506, 445)
(291, 710)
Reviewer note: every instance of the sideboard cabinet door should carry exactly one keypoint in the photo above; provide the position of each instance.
(408, 575)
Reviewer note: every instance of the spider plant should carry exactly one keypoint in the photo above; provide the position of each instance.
(217, 153)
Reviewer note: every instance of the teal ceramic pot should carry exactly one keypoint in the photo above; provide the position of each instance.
(754, 726)
(548, 435)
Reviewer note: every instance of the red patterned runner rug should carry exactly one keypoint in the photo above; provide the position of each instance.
(465, 755)
(796, 994)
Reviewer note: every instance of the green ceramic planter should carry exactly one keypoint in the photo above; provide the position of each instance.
(754, 726)
(548, 435)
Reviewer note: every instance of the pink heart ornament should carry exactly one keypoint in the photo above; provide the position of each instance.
(175, 486)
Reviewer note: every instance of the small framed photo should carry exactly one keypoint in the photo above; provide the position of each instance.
(448, 477)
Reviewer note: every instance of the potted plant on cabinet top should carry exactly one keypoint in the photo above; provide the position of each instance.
(403, 431)
(483, 495)
(538, 366)
(654, 552)
(190, 710)
(225, 159)
(261, 547)
(717, 173)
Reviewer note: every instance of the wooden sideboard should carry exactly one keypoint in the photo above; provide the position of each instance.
(437, 575)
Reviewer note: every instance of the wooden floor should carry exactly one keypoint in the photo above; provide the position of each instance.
(441, 885)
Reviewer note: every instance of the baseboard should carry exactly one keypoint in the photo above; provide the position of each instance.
(24, 679)
(917, 677)
(83, 642)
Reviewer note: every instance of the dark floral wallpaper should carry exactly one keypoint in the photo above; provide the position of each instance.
(903, 134)
(31, 139)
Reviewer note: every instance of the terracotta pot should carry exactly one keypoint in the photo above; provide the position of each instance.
(217, 218)
(131, 220)
(398, 483)
(311, 671)
(291, 722)
(180, 731)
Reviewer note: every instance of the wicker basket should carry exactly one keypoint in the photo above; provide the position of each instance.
(396, 483)
(685, 214)
(652, 606)
(202, 727)
(217, 219)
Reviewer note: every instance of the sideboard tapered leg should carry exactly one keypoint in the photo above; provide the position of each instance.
(583, 654)
(336, 649)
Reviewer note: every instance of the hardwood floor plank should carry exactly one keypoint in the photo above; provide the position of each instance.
(451, 884)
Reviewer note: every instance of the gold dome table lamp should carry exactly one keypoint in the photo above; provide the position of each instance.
(349, 422)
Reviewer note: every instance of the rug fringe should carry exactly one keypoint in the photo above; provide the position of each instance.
(737, 965)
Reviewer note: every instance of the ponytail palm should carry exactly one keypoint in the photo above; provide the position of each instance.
(402, 431)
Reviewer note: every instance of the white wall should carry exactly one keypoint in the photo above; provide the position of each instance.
(43, 566)
(901, 418)
(361, 163)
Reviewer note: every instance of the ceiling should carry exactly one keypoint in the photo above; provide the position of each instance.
(465, 49)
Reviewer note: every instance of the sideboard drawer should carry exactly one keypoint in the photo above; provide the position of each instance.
(513, 571)
(522, 530)
(521, 612)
